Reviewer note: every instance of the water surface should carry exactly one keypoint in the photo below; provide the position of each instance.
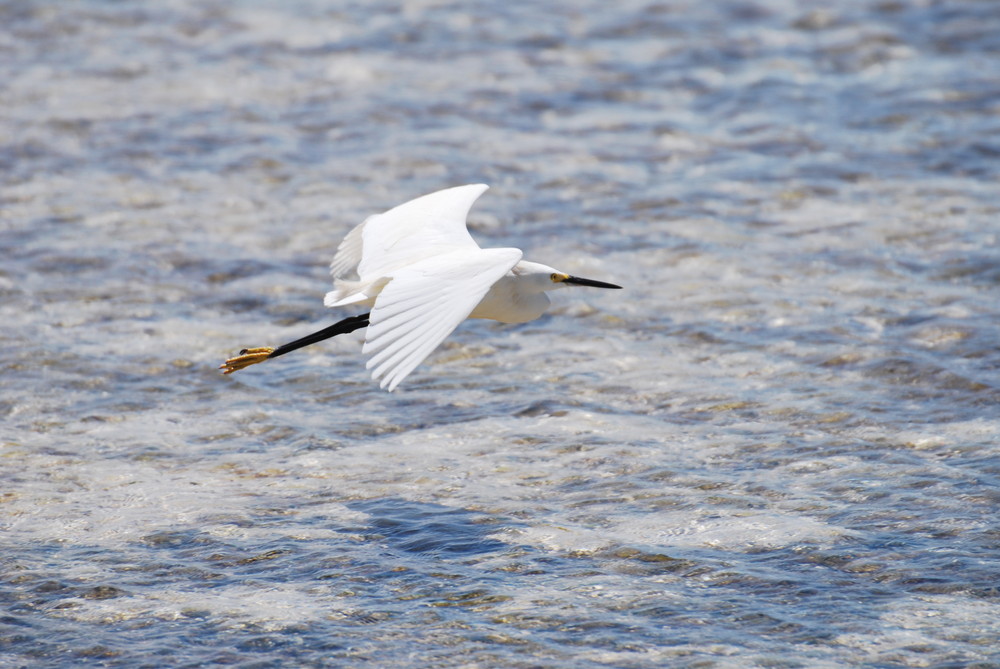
(776, 447)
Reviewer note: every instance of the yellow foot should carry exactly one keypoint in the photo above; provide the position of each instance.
(247, 357)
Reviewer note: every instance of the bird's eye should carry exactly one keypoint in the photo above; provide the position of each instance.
(554, 277)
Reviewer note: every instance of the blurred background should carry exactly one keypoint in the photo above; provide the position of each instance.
(776, 447)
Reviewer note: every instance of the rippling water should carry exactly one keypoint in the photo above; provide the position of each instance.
(777, 447)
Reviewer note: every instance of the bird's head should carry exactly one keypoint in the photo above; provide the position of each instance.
(544, 278)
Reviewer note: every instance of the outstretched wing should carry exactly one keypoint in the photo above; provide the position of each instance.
(423, 303)
(415, 230)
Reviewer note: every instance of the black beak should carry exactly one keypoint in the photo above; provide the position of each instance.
(575, 280)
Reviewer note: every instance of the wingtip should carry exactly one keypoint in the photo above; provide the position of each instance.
(479, 188)
(387, 383)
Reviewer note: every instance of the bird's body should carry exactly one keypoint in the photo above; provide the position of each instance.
(421, 274)
(435, 224)
(513, 298)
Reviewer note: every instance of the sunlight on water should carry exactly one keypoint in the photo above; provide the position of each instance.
(775, 447)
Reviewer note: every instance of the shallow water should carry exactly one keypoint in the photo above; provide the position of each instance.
(776, 447)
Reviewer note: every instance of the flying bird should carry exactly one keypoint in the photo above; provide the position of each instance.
(420, 273)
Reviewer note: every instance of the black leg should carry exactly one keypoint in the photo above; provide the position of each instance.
(343, 327)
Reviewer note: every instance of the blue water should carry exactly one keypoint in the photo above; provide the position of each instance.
(778, 446)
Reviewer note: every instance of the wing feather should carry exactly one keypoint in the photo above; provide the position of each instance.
(348, 256)
(429, 225)
(397, 365)
(397, 342)
(423, 302)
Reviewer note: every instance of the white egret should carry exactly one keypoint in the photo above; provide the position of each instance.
(421, 274)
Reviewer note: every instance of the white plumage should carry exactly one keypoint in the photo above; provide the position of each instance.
(421, 274)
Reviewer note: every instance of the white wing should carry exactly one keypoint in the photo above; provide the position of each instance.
(348, 255)
(415, 230)
(423, 303)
